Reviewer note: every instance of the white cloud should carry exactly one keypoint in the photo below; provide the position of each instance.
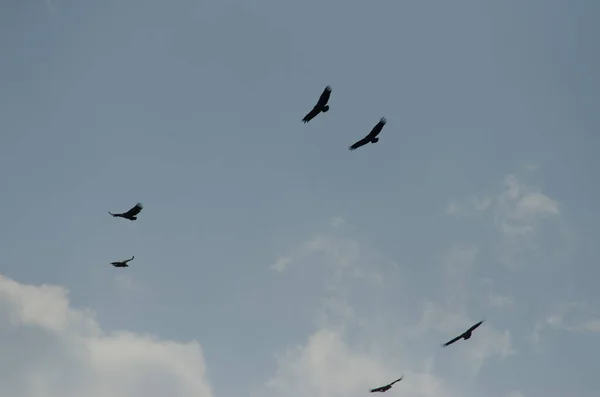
(452, 208)
(344, 256)
(469, 207)
(337, 221)
(516, 208)
(460, 259)
(497, 300)
(520, 205)
(567, 317)
(281, 264)
(124, 282)
(327, 367)
(355, 347)
(591, 325)
(482, 204)
(58, 351)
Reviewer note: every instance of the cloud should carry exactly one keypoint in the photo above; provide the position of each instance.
(367, 334)
(499, 300)
(280, 264)
(58, 351)
(516, 208)
(341, 255)
(460, 259)
(591, 325)
(124, 282)
(337, 221)
(452, 209)
(567, 317)
(520, 205)
(523, 216)
(469, 207)
(328, 367)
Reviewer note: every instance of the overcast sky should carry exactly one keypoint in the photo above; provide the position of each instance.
(271, 261)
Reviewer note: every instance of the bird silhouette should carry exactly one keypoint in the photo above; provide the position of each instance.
(321, 105)
(131, 214)
(122, 263)
(372, 136)
(466, 335)
(386, 387)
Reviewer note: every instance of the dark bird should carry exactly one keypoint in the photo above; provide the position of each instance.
(386, 387)
(372, 137)
(321, 105)
(466, 335)
(122, 263)
(131, 214)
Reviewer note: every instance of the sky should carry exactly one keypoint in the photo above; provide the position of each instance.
(270, 260)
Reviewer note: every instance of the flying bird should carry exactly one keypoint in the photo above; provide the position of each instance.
(321, 105)
(131, 214)
(466, 335)
(122, 263)
(372, 137)
(386, 387)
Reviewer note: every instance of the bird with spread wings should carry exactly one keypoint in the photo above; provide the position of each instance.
(321, 105)
(122, 263)
(372, 136)
(386, 387)
(131, 214)
(466, 335)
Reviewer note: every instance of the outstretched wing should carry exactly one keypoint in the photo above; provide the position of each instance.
(475, 326)
(377, 389)
(378, 127)
(360, 143)
(452, 341)
(397, 380)
(324, 98)
(311, 115)
(135, 210)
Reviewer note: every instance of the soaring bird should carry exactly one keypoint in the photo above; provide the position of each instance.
(466, 335)
(372, 137)
(386, 387)
(321, 105)
(131, 214)
(122, 263)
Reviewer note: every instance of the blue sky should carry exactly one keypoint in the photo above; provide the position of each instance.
(269, 259)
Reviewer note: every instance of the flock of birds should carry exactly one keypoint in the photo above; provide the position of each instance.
(323, 107)
(465, 335)
(371, 137)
